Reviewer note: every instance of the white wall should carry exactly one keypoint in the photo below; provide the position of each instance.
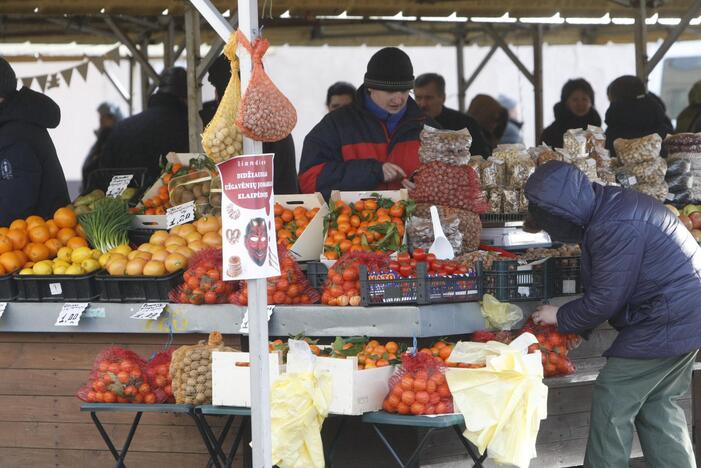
(304, 73)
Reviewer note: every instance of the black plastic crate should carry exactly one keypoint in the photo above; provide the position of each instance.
(56, 288)
(387, 288)
(514, 281)
(137, 288)
(8, 288)
(140, 236)
(454, 288)
(316, 274)
(566, 276)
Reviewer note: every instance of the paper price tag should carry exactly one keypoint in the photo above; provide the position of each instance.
(70, 314)
(3, 306)
(244, 322)
(55, 289)
(118, 185)
(180, 214)
(150, 311)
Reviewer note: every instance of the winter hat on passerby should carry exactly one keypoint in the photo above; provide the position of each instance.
(390, 69)
(580, 84)
(8, 79)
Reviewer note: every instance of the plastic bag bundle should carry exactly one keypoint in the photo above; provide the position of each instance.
(543, 153)
(291, 287)
(518, 170)
(265, 114)
(342, 287)
(191, 370)
(554, 347)
(575, 142)
(447, 185)
(117, 376)
(493, 173)
(651, 172)
(511, 201)
(221, 139)
(446, 146)
(157, 371)
(470, 225)
(588, 166)
(419, 387)
(683, 143)
(638, 150)
(500, 315)
(202, 281)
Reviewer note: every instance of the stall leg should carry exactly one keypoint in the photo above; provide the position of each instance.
(414, 456)
(118, 456)
(470, 449)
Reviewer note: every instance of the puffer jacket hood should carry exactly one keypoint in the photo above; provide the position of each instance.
(30, 107)
(562, 190)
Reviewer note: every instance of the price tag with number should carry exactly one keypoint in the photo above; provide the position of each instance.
(150, 311)
(244, 322)
(70, 314)
(118, 185)
(3, 306)
(180, 214)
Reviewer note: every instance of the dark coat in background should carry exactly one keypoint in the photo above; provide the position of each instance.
(141, 140)
(92, 161)
(31, 177)
(451, 119)
(566, 120)
(635, 118)
(641, 268)
(689, 119)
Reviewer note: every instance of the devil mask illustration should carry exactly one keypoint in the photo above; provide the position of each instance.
(256, 240)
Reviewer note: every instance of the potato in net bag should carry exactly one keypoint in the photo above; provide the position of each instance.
(221, 139)
(265, 114)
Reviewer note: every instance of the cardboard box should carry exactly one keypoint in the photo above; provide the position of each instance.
(309, 245)
(231, 383)
(349, 197)
(354, 391)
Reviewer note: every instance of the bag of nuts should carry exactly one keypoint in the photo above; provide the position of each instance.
(221, 139)
(265, 113)
(638, 150)
(191, 370)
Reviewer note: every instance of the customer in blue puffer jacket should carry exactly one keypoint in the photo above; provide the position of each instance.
(641, 271)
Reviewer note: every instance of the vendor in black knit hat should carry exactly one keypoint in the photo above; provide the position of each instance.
(575, 110)
(372, 144)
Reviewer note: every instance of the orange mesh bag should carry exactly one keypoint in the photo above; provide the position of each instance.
(265, 114)
(221, 139)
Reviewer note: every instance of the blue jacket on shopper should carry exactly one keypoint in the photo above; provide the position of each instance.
(641, 268)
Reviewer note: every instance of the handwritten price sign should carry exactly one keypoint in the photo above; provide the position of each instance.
(150, 311)
(118, 185)
(180, 214)
(70, 314)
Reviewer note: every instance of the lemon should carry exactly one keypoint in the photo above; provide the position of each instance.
(80, 254)
(60, 263)
(60, 269)
(26, 271)
(90, 265)
(104, 258)
(42, 268)
(74, 270)
(96, 254)
(123, 249)
(64, 253)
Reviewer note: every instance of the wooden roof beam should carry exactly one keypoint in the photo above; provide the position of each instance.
(674, 35)
(499, 40)
(135, 52)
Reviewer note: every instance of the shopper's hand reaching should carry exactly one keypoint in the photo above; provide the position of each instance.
(392, 172)
(545, 314)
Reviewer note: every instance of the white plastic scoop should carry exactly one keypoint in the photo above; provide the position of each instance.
(441, 247)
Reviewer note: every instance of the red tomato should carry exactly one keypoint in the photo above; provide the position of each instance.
(103, 366)
(403, 257)
(282, 285)
(123, 377)
(193, 282)
(196, 299)
(405, 270)
(162, 369)
(150, 399)
(109, 397)
(350, 274)
(144, 389)
(210, 297)
(449, 268)
(99, 386)
(293, 291)
(419, 255)
(394, 266)
(214, 274)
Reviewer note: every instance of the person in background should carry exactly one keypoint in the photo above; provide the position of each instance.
(340, 94)
(575, 110)
(109, 114)
(512, 134)
(429, 92)
(142, 139)
(689, 120)
(285, 160)
(31, 177)
(372, 144)
(642, 271)
(491, 116)
(634, 113)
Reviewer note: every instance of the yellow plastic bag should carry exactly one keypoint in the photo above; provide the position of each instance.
(502, 403)
(299, 404)
(222, 139)
(500, 315)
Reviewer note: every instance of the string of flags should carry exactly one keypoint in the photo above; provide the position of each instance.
(53, 80)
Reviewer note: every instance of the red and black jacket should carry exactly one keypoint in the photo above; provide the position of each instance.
(346, 150)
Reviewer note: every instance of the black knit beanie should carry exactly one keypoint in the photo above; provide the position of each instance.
(8, 79)
(390, 69)
(580, 84)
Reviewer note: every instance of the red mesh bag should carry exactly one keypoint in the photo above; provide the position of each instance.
(554, 347)
(117, 376)
(447, 185)
(342, 287)
(483, 336)
(202, 281)
(291, 287)
(419, 387)
(265, 114)
(157, 371)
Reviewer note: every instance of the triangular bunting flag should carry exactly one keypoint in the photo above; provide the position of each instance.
(42, 81)
(67, 74)
(53, 81)
(27, 82)
(83, 70)
(99, 63)
(113, 55)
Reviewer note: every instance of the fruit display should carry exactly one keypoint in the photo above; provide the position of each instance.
(26, 242)
(419, 387)
(290, 224)
(291, 287)
(107, 225)
(690, 217)
(368, 225)
(202, 281)
(86, 203)
(193, 187)
(342, 286)
(405, 265)
(117, 377)
(371, 354)
(191, 370)
(79, 261)
(554, 347)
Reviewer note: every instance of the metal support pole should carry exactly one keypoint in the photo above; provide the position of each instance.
(140, 56)
(480, 67)
(538, 79)
(498, 40)
(678, 30)
(131, 86)
(144, 83)
(194, 87)
(118, 86)
(168, 44)
(460, 50)
(641, 42)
